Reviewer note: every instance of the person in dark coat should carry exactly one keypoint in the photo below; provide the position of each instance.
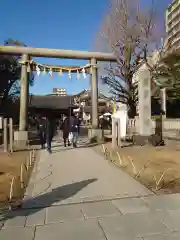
(40, 121)
(65, 129)
(50, 127)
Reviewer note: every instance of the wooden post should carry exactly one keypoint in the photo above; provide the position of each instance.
(23, 118)
(5, 135)
(11, 134)
(94, 94)
(114, 133)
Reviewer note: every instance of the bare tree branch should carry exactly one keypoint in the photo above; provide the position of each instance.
(131, 32)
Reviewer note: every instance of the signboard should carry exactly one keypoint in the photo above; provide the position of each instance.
(121, 113)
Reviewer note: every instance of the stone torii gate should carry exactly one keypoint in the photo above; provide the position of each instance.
(27, 52)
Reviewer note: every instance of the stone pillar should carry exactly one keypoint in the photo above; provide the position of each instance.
(144, 92)
(94, 93)
(144, 98)
(21, 136)
(24, 95)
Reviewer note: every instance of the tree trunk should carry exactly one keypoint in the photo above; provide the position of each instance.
(132, 110)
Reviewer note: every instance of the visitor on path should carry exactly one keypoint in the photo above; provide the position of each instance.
(41, 131)
(65, 129)
(50, 127)
(74, 129)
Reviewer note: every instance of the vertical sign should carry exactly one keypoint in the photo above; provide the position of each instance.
(144, 93)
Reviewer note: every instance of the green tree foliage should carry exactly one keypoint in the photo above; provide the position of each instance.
(10, 72)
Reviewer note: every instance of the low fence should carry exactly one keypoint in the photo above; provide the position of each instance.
(170, 128)
(7, 134)
(7, 130)
(168, 124)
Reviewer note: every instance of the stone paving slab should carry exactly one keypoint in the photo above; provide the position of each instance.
(99, 209)
(135, 225)
(105, 214)
(131, 205)
(172, 220)
(64, 213)
(36, 217)
(17, 233)
(172, 236)
(15, 219)
(79, 230)
(163, 202)
(21, 218)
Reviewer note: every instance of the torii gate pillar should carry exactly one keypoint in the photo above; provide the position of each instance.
(94, 93)
(95, 134)
(21, 136)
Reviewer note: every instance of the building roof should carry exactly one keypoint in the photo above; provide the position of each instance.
(101, 109)
(51, 102)
(86, 94)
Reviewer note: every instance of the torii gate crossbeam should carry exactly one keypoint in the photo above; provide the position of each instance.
(57, 53)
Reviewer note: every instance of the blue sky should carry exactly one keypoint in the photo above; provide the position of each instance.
(63, 24)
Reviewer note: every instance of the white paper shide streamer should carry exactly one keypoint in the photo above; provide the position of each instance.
(69, 74)
(78, 74)
(50, 72)
(44, 71)
(60, 73)
(38, 71)
(84, 72)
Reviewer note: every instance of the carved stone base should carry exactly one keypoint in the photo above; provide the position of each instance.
(95, 135)
(20, 140)
(154, 140)
(141, 140)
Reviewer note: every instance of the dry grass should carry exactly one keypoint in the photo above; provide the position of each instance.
(157, 168)
(10, 166)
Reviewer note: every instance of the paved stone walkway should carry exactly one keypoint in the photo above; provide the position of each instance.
(74, 194)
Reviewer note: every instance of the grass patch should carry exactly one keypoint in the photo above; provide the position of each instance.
(10, 166)
(158, 168)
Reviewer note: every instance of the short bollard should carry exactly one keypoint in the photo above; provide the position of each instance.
(119, 159)
(11, 192)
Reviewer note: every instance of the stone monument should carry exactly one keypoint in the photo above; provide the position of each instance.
(144, 97)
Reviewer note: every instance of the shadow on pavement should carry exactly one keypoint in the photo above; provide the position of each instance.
(33, 205)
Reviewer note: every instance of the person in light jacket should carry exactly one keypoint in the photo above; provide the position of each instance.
(74, 129)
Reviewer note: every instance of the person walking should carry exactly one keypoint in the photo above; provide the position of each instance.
(65, 129)
(74, 126)
(40, 121)
(49, 131)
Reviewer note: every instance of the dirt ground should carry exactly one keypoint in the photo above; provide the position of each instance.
(158, 168)
(10, 166)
